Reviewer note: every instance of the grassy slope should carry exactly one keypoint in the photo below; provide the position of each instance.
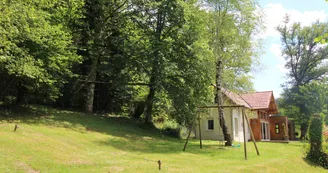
(64, 141)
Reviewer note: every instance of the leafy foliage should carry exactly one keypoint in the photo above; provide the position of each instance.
(305, 57)
(305, 60)
(155, 58)
(36, 52)
(231, 25)
(316, 152)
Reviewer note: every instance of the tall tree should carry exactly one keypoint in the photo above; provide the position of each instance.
(231, 24)
(100, 43)
(188, 79)
(173, 55)
(160, 22)
(305, 62)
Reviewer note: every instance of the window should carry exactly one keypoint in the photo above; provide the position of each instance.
(277, 129)
(210, 124)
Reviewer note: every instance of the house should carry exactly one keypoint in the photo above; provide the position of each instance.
(261, 107)
(210, 124)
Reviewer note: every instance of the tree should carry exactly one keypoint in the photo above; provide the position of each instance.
(231, 25)
(315, 97)
(100, 40)
(36, 51)
(159, 22)
(173, 57)
(188, 80)
(305, 62)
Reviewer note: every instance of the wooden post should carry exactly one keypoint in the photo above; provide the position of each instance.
(159, 164)
(200, 134)
(184, 148)
(249, 127)
(16, 126)
(245, 148)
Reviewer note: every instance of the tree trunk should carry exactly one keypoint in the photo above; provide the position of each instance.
(21, 93)
(90, 93)
(150, 100)
(305, 121)
(223, 124)
(304, 127)
(154, 79)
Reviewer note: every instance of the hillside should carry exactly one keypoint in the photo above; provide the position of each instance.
(54, 140)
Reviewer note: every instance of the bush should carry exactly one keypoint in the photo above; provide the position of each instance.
(175, 133)
(316, 153)
(171, 129)
(296, 134)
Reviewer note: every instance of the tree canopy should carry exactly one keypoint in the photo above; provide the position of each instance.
(306, 62)
(143, 58)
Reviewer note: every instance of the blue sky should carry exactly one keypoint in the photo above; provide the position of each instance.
(273, 73)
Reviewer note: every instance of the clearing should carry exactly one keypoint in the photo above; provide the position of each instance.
(67, 141)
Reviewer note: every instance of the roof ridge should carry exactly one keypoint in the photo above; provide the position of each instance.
(257, 92)
(263, 91)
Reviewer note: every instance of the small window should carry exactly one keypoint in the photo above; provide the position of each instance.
(277, 129)
(210, 124)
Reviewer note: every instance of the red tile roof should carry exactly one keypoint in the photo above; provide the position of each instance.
(235, 98)
(258, 100)
(255, 101)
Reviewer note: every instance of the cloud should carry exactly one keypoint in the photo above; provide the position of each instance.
(274, 16)
(275, 13)
(275, 49)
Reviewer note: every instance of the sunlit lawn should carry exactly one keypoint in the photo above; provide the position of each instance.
(64, 141)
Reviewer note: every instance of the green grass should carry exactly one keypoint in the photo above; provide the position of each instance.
(66, 141)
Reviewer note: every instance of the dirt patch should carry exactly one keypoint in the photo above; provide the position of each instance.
(80, 162)
(116, 169)
(118, 153)
(27, 167)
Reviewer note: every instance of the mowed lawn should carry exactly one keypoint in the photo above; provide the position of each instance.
(65, 141)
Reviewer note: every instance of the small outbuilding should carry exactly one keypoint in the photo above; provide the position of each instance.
(210, 124)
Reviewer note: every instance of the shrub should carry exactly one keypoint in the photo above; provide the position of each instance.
(171, 129)
(316, 153)
(296, 134)
(175, 133)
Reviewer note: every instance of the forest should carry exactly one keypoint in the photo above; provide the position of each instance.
(139, 58)
(152, 60)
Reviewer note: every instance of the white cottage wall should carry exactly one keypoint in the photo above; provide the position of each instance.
(233, 117)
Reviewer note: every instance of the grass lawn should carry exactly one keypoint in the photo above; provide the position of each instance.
(65, 141)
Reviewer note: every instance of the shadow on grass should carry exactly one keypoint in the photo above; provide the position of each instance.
(309, 162)
(129, 134)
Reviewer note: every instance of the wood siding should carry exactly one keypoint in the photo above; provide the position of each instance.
(256, 128)
(278, 120)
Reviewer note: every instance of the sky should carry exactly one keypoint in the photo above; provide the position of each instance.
(272, 72)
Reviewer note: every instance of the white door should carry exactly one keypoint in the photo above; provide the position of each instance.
(265, 133)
